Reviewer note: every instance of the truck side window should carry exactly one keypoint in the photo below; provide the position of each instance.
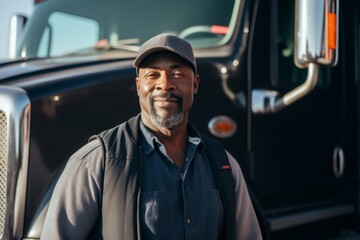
(67, 33)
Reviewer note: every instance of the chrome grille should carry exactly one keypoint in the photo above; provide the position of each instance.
(14, 157)
(3, 169)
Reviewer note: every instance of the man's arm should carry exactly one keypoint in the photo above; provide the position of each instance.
(247, 226)
(76, 201)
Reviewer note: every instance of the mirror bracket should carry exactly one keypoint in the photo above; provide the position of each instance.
(316, 43)
(265, 101)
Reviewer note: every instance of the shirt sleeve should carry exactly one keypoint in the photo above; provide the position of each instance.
(75, 204)
(246, 226)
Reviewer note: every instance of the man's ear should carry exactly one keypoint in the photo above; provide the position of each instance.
(196, 83)
(137, 85)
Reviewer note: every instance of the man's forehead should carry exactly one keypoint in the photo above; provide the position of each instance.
(156, 60)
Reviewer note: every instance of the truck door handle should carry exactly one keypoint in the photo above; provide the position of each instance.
(338, 161)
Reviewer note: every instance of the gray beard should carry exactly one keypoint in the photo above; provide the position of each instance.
(171, 121)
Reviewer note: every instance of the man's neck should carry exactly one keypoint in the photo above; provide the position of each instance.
(174, 141)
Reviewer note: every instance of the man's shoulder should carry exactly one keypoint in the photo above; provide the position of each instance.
(130, 127)
(91, 148)
(94, 146)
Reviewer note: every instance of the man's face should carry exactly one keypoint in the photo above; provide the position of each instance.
(166, 86)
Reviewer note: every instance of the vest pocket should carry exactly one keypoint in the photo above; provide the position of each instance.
(154, 215)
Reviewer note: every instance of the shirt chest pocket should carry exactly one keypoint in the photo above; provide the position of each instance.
(154, 215)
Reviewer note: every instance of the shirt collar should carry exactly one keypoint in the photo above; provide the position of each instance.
(148, 140)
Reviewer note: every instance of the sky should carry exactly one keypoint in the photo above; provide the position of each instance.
(7, 9)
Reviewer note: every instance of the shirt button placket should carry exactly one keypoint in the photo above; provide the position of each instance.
(188, 210)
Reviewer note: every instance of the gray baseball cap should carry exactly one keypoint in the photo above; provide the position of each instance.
(166, 42)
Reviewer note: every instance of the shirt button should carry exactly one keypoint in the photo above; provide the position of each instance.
(188, 221)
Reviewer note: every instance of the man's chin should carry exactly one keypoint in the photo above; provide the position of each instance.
(165, 113)
(167, 120)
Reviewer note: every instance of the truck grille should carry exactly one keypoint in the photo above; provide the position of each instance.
(14, 155)
(3, 169)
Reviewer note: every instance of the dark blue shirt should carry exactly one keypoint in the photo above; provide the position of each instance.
(178, 203)
(175, 203)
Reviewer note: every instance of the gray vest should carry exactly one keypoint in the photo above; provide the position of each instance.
(122, 160)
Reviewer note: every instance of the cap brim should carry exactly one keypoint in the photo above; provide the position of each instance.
(139, 59)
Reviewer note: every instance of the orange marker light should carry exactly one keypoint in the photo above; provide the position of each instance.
(224, 126)
(331, 31)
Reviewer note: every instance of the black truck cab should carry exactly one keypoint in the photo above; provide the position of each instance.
(279, 88)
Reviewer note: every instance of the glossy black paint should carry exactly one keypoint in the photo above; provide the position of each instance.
(290, 168)
(66, 109)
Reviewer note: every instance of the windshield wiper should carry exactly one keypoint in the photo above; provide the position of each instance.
(124, 44)
(104, 45)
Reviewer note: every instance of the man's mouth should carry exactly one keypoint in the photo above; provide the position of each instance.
(165, 101)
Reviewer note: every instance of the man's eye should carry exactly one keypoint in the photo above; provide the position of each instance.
(151, 75)
(177, 74)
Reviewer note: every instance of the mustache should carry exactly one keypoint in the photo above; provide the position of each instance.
(167, 95)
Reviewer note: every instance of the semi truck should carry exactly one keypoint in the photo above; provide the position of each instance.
(279, 89)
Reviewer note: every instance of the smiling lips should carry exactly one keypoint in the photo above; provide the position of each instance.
(165, 101)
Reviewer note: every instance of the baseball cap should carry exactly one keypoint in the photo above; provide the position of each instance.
(166, 42)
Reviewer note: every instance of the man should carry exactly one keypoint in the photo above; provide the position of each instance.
(154, 176)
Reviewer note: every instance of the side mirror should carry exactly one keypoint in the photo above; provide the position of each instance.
(316, 35)
(17, 25)
(316, 42)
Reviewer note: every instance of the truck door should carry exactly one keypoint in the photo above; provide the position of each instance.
(304, 161)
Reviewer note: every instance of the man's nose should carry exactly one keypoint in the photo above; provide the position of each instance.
(165, 83)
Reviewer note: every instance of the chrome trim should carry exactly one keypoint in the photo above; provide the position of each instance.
(263, 101)
(311, 32)
(17, 24)
(266, 101)
(16, 105)
(338, 162)
(217, 119)
(283, 222)
(305, 88)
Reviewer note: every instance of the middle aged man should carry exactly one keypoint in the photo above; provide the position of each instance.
(154, 176)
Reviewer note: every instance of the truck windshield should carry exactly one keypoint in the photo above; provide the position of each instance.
(61, 27)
